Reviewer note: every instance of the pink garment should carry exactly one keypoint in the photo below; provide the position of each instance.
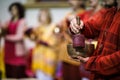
(14, 46)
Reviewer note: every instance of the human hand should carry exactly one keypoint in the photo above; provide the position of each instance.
(74, 26)
(83, 59)
(80, 59)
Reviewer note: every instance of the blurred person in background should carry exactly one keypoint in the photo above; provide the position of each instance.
(44, 57)
(14, 48)
(70, 68)
(103, 63)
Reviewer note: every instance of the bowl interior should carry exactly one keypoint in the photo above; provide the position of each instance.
(72, 51)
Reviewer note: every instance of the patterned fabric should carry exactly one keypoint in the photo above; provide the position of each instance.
(70, 72)
(105, 64)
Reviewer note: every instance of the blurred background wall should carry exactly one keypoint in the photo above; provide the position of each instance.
(31, 13)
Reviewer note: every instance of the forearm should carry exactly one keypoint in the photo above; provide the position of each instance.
(14, 38)
(105, 65)
(19, 33)
(89, 30)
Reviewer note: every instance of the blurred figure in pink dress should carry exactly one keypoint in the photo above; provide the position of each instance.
(14, 45)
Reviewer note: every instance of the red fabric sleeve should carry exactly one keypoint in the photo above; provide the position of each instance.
(105, 65)
(90, 29)
(93, 24)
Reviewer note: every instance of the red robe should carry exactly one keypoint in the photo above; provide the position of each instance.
(89, 16)
(105, 62)
(86, 15)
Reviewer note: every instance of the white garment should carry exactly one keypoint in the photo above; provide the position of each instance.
(42, 76)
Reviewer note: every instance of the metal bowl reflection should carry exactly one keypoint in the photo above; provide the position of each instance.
(73, 53)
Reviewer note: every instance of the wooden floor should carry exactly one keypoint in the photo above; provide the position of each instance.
(21, 79)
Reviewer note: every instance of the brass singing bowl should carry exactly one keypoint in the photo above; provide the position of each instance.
(73, 53)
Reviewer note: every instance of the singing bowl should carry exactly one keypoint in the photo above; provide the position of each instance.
(73, 53)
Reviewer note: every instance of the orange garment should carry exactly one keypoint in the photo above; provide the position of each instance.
(67, 37)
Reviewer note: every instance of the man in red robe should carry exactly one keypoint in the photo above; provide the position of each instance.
(104, 64)
(94, 13)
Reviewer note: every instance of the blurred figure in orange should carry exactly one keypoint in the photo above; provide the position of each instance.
(70, 68)
(14, 46)
(44, 54)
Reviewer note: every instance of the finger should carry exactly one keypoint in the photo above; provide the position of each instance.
(77, 60)
(81, 59)
(74, 27)
(81, 25)
(76, 24)
(71, 26)
(73, 17)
